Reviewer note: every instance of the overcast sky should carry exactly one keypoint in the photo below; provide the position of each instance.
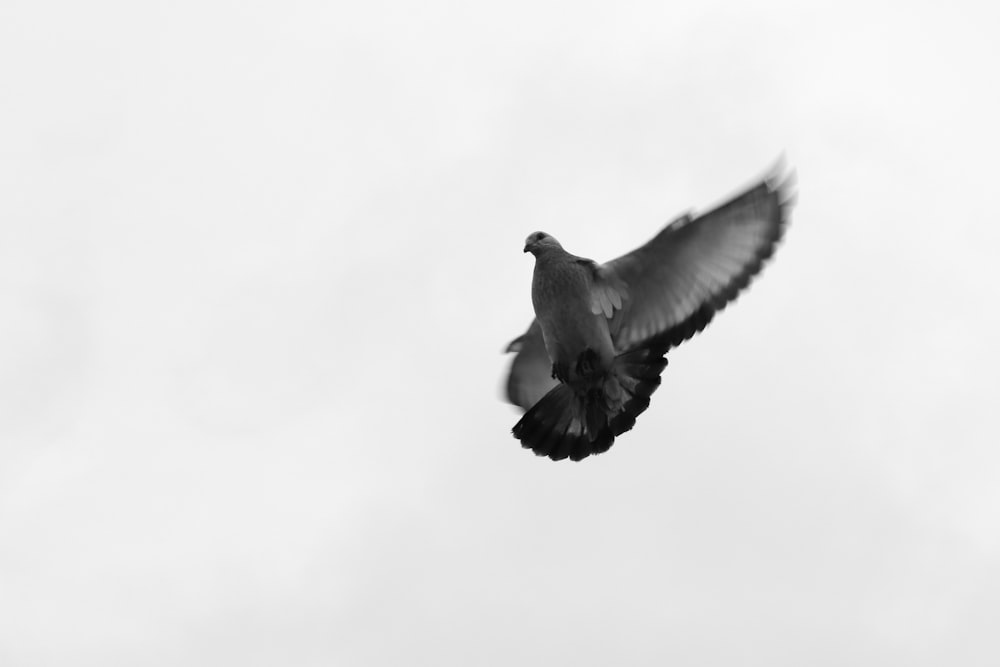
(258, 262)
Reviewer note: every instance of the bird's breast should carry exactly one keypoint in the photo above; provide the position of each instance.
(561, 298)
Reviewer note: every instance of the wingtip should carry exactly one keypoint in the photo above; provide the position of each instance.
(514, 345)
(779, 166)
(782, 179)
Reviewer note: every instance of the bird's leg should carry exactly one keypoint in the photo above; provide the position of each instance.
(587, 363)
(587, 367)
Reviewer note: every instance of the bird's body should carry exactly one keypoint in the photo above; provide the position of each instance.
(560, 293)
(590, 361)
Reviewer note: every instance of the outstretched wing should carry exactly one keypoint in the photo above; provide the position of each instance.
(694, 267)
(530, 375)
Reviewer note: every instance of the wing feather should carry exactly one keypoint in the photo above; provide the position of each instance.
(696, 265)
(530, 375)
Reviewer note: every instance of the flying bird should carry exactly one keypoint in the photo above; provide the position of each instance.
(592, 357)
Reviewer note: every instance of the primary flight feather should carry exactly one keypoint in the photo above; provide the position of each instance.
(591, 359)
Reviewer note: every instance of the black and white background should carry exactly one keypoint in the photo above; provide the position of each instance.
(258, 262)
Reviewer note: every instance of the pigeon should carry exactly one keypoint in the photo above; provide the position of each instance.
(586, 367)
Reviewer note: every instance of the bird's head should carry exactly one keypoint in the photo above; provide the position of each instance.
(538, 242)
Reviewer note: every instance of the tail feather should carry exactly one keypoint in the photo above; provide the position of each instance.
(544, 427)
(559, 441)
(567, 423)
(601, 443)
(595, 414)
(548, 427)
(562, 446)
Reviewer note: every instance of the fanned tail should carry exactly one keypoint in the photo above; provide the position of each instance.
(567, 423)
(563, 425)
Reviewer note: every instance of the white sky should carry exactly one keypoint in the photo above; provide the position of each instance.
(258, 262)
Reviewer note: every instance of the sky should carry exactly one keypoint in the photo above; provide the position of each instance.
(259, 262)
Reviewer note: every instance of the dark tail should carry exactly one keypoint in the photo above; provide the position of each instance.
(574, 424)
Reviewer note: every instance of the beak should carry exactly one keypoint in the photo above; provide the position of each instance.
(525, 247)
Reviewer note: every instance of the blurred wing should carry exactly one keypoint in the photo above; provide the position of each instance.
(694, 267)
(530, 375)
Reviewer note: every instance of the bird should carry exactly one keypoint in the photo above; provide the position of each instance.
(593, 356)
